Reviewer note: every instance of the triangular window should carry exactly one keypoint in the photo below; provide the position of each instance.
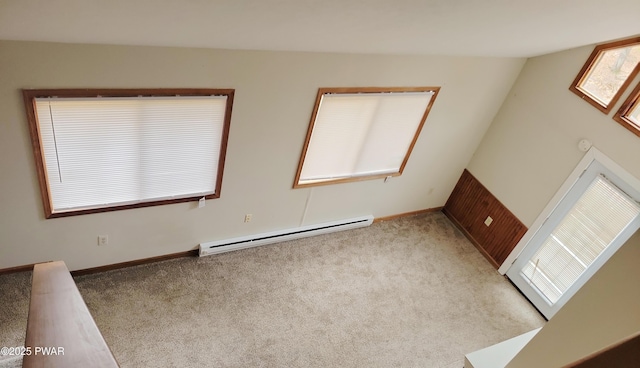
(607, 73)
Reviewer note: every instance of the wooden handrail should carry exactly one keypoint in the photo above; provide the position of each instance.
(60, 329)
(624, 353)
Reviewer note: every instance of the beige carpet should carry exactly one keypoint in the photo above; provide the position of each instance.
(411, 292)
(15, 290)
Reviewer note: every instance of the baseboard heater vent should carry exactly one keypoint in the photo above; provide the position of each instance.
(228, 245)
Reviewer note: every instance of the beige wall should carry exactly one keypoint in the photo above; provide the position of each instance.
(274, 96)
(604, 311)
(526, 155)
(531, 146)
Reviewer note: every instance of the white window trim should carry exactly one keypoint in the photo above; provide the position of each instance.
(593, 155)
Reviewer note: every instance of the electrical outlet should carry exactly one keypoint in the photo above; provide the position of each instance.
(488, 221)
(103, 239)
(247, 217)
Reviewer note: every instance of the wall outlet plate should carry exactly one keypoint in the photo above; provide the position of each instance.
(103, 239)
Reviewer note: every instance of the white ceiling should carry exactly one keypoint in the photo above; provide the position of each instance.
(512, 28)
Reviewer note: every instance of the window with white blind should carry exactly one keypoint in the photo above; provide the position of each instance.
(362, 133)
(594, 214)
(100, 150)
(596, 219)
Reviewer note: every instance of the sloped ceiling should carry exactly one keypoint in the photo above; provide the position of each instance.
(510, 28)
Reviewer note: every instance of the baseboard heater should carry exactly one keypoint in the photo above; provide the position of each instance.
(228, 245)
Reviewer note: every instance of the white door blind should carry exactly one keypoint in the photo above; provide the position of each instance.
(362, 134)
(596, 219)
(108, 151)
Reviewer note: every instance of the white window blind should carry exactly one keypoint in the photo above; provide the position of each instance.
(362, 134)
(109, 151)
(593, 223)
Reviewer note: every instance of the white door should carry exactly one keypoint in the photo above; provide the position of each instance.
(595, 217)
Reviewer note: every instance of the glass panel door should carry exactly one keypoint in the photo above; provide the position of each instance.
(587, 227)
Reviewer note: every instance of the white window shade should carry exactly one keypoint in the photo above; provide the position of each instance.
(364, 134)
(102, 152)
(591, 225)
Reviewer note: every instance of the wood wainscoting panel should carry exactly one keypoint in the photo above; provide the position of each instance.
(469, 206)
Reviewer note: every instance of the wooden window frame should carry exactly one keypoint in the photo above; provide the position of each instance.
(621, 116)
(351, 90)
(597, 51)
(30, 95)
